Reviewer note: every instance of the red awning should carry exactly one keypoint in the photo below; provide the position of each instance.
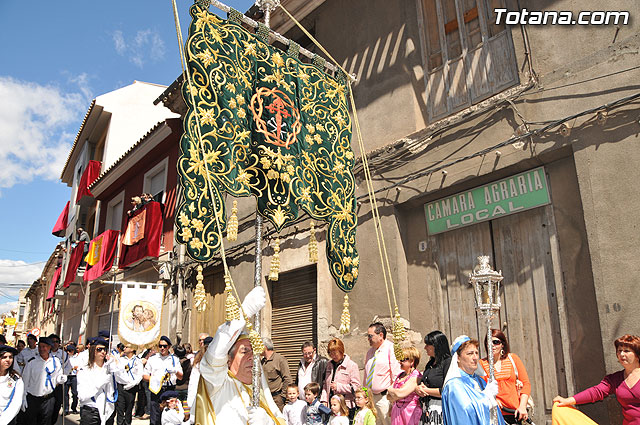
(102, 253)
(61, 225)
(143, 235)
(90, 174)
(54, 282)
(74, 263)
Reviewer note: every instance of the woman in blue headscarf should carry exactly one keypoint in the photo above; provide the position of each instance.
(466, 398)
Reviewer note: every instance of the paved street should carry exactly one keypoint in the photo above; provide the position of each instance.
(75, 420)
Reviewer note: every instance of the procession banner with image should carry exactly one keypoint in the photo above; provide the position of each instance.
(140, 313)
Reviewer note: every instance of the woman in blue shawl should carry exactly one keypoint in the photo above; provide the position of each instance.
(466, 398)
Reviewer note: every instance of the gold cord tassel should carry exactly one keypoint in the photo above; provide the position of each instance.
(313, 244)
(199, 294)
(399, 335)
(231, 309)
(345, 318)
(256, 341)
(232, 226)
(275, 261)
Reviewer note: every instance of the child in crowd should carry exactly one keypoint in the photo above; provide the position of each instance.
(171, 407)
(294, 410)
(339, 411)
(314, 411)
(366, 414)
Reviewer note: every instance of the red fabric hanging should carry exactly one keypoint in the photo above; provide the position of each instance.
(74, 263)
(90, 174)
(61, 225)
(149, 244)
(103, 248)
(54, 282)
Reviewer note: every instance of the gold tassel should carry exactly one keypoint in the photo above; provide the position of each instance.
(257, 345)
(232, 226)
(231, 309)
(399, 335)
(313, 244)
(345, 318)
(275, 261)
(199, 294)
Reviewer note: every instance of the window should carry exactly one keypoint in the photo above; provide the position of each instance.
(155, 181)
(467, 57)
(115, 209)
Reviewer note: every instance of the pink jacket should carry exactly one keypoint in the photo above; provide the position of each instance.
(347, 379)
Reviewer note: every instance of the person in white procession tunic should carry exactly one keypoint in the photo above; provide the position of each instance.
(41, 375)
(27, 353)
(11, 386)
(162, 371)
(129, 370)
(224, 392)
(97, 390)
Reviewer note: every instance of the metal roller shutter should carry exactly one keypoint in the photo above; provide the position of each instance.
(294, 313)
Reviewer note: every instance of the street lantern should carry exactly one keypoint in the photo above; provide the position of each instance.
(486, 286)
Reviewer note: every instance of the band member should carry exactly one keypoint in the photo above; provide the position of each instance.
(11, 386)
(27, 353)
(162, 371)
(41, 375)
(129, 370)
(63, 356)
(97, 390)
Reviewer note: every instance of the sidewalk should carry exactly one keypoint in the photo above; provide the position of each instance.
(75, 420)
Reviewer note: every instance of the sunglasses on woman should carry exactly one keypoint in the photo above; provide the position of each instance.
(496, 342)
(101, 349)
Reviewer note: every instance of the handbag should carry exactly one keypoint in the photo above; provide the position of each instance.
(530, 404)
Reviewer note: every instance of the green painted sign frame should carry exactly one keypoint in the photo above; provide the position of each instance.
(511, 195)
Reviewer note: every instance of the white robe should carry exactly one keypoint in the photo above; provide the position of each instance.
(96, 389)
(10, 405)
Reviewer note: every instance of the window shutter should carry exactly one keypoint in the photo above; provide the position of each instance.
(294, 313)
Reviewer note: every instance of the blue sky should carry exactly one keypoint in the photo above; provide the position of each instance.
(56, 58)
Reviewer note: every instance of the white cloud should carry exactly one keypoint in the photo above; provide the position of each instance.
(146, 45)
(35, 120)
(12, 271)
(17, 271)
(7, 307)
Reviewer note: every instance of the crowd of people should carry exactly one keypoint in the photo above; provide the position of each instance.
(176, 386)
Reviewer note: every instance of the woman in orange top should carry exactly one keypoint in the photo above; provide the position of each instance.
(513, 391)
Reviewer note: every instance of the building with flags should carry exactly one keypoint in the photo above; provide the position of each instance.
(70, 298)
(480, 138)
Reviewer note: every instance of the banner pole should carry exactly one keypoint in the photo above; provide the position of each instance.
(257, 281)
(113, 295)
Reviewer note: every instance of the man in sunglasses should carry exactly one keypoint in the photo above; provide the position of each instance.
(162, 371)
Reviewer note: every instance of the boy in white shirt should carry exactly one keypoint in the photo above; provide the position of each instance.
(294, 410)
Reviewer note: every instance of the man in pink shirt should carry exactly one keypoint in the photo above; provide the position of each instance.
(380, 369)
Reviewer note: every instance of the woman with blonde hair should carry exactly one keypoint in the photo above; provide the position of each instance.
(406, 408)
(342, 375)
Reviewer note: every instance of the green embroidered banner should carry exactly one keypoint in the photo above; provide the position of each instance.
(272, 127)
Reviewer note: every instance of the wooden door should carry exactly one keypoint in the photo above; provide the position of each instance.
(529, 315)
(520, 247)
(455, 254)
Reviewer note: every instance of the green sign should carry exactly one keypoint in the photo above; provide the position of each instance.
(508, 196)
